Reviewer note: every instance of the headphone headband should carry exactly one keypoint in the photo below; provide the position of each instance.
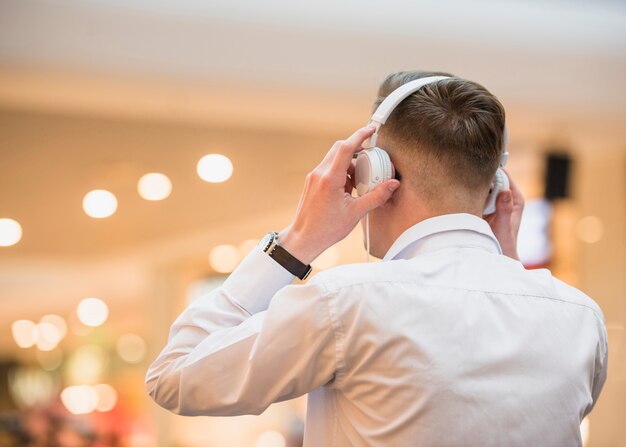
(398, 95)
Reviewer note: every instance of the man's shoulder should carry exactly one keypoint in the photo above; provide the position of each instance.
(576, 296)
(543, 284)
(511, 278)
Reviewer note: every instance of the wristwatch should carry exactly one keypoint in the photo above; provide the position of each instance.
(269, 244)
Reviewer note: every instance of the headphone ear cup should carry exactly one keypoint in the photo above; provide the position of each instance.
(373, 166)
(362, 173)
(500, 183)
(386, 164)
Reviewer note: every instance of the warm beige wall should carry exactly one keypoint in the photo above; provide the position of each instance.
(601, 191)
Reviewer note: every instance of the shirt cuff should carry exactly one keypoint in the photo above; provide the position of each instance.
(256, 280)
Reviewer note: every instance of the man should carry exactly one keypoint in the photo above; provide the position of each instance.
(449, 341)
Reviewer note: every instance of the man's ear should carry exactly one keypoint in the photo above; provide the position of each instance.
(396, 174)
(486, 198)
(393, 200)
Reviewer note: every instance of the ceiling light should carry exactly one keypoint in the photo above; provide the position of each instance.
(92, 311)
(58, 323)
(215, 168)
(99, 203)
(49, 333)
(81, 399)
(24, 333)
(154, 186)
(49, 336)
(10, 232)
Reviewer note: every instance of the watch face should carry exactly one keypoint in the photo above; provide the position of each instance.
(267, 241)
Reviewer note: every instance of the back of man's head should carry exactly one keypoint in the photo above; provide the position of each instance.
(445, 138)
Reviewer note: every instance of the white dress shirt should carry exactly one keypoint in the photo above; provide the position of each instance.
(446, 342)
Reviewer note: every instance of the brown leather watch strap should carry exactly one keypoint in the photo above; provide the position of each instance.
(290, 263)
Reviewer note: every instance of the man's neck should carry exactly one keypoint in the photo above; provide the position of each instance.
(404, 214)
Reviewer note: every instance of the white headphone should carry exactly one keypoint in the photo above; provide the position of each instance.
(373, 165)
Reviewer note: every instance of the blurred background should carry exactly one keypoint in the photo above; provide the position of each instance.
(146, 145)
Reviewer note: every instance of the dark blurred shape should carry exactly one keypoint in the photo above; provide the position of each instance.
(12, 432)
(557, 177)
(6, 401)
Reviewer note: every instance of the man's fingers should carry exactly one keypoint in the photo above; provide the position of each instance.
(346, 149)
(517, 196)
(501, 219)
(330, 155)
(504, 202)
(357, 138)
(375, 198)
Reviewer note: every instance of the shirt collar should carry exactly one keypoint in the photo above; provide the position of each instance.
(447, 230)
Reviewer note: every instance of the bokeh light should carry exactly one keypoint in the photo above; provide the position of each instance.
(107, 397)
(56, 321)
(270, 439)
(87, 365)
(224, 258)
(92, 311)
(49, 333)
(99, 203)
(79, 399)
(46, 345)
(25, 333)
(589, 229)
(30, 386)
(154, 186)
(10, 232)
(131, 348)
(215, 168)
(51, 330)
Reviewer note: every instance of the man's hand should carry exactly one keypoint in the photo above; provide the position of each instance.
(506, 220)
(327, 212)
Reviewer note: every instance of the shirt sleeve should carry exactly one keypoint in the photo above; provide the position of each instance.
(600, 366)
(229, 353)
